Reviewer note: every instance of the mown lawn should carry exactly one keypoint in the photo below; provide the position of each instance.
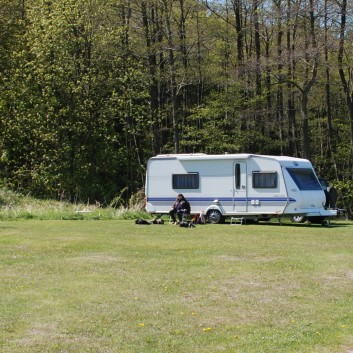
(113, 286)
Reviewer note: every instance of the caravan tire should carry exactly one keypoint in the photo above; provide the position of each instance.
(298, 219)
(214, 216)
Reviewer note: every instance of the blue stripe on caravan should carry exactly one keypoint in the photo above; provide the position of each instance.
(223, 199)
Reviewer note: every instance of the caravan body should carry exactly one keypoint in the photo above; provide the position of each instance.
(236, 185)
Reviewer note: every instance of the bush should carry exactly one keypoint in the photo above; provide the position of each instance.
(345, 195)
(16, 206)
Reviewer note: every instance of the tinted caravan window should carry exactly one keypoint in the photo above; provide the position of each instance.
(304, 178)
(185, 181)
(264, 180)
(237, 176)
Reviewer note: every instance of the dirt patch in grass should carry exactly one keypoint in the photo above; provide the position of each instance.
(97, 258)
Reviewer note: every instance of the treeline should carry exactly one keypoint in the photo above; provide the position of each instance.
(90, 89)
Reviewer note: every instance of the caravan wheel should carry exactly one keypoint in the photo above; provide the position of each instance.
(214, 216)
(298, 219)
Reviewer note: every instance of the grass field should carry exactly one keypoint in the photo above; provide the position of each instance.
(113, 286)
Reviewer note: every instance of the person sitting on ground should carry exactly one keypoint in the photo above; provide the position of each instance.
(179, 208)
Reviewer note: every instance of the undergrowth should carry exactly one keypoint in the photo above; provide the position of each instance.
(14, 206)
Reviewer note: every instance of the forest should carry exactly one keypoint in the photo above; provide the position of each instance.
(91, 89)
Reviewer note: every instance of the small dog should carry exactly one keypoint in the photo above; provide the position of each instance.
(187, 224)
(143, 221)
(158, 221)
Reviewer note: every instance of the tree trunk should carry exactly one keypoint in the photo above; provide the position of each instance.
(347, 91)
(292, 124)
(331, 145)
(310, 78)
(237, 6)
(152, 69)
(280, 105)
(257, 47)
(173, 82)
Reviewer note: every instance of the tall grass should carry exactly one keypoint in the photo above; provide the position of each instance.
(14, 206)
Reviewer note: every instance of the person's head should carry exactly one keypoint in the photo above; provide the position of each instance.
(180, 197)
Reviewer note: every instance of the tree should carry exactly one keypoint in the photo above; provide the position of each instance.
(89, 90)
(345, 83)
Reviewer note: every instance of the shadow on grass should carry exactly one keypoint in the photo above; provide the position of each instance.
(293, 224)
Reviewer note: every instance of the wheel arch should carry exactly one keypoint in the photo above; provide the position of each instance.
(213, 213)
(214, 207)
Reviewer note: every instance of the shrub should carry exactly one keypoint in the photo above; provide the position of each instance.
(345, 195)
(15, 206)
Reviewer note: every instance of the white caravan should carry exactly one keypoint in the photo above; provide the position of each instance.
(247, 186)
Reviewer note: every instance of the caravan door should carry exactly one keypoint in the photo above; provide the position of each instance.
(240, 187)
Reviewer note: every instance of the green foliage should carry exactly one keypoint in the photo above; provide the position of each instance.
(9, 198)
(14, 206)
(345, 195)
(79, 125)
(89, 91)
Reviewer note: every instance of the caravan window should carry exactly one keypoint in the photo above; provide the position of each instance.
(237, 175)
(264, 180)
(304, 178)
(185, 181)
